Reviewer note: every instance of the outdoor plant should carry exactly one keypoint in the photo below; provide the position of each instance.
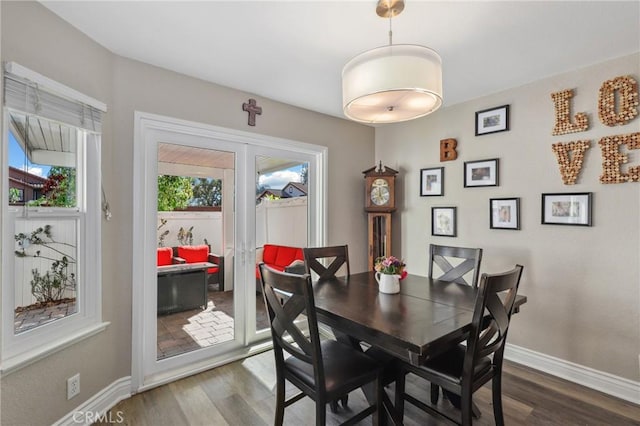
(185, 237)
(59, 189)
(162, 236)
(50, 286)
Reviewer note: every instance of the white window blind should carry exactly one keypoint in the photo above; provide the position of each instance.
(28, 95)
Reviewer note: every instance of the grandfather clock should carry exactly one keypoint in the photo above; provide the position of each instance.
(380, 202)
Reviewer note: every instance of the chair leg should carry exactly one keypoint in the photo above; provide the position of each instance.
(435, 393)
(321, 412)
(380, 414)
(279, 403)
(496, 390)
(399, 399)
(333, 405)
(466, 407)
(345, 400)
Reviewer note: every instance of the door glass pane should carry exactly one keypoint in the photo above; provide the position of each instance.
(195, 306)
(281, 219)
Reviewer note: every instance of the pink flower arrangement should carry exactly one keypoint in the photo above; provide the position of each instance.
(390, 265)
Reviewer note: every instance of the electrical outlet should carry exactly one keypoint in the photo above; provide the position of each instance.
(73, 386)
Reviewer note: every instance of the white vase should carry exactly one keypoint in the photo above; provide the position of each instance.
(389, 284)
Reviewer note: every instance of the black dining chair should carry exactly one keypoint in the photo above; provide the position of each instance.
(323, 370)
(336, 256)
(466, 260)
(464, 369)
(315, 259)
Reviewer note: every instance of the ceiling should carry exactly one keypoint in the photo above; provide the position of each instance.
(294, 51)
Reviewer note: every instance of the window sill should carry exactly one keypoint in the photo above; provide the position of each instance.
(20, 361)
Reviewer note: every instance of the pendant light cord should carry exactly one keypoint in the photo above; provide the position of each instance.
(390, 30)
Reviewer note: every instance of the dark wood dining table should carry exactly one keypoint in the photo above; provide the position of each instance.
(427, 317)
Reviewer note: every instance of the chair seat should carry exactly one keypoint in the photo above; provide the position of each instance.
(449, 365)
(344, 367)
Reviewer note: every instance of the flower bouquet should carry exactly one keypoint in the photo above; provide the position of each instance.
(390, 265)
(389, 272)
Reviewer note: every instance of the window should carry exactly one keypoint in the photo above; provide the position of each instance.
(51, 217)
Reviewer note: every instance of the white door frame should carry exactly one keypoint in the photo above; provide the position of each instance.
(149, 128)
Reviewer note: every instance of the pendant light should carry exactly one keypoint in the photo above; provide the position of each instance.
(392, 83)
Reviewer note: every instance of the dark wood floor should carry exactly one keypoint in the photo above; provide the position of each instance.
(242, 393)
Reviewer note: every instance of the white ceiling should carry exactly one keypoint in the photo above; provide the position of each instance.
(294, 51)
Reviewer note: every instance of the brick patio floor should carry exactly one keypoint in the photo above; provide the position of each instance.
(28, 319)
(196, 328)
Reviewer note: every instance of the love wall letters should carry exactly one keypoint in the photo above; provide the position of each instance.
(617, 105)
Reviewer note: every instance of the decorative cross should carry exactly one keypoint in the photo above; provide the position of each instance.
(252, 109)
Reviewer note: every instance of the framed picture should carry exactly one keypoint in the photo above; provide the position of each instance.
(567, 209)
(432, 182)
(481, 173)
(443, 221)
(492, 120)
(504, 213)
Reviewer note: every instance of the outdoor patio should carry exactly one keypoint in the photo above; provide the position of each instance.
(194, 329)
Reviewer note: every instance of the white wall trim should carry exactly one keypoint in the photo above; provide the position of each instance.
(610, 384)
(95, 408)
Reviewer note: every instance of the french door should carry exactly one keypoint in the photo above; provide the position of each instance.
(183, 334)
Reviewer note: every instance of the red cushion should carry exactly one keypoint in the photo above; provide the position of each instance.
(194, 254)
(164, 256)
(279, 257)
(269, 254)
(213, 270)
(285, 256)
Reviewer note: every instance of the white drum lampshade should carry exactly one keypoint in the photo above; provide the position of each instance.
(392, 83)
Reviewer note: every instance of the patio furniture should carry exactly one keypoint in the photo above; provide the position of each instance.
(199, 254)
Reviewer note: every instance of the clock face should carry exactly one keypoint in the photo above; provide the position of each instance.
(380, 192)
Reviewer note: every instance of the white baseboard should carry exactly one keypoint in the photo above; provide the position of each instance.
(604, 382)
(95, 408)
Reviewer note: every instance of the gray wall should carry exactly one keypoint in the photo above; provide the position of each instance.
(39, 40)
(582, 283)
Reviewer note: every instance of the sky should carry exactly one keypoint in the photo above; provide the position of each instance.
(18, 160)
(277, 180)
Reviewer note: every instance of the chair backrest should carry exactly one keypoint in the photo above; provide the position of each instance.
(470, 262)
(287, 296)
(491, 317)
(337, 255)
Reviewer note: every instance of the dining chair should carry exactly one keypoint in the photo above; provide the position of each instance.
(465, 260)
(464, 369)
(336, 256)
(442, 256)
(313, 261)
(322, 370)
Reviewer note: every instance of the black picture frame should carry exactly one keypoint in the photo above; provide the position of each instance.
(444, 222)
(492, 120)
(504, 213)
(432, 182)
(568, 208)
(481, 173)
